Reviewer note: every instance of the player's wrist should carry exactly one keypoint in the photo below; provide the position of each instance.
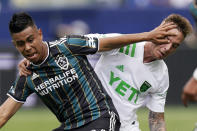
(146, 36)
(195, 74)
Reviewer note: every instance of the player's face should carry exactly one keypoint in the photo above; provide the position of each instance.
(162, 51)
(29, 43)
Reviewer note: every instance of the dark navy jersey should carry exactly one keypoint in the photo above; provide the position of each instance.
(66, 82)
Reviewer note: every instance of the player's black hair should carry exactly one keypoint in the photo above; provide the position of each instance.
(20, 21)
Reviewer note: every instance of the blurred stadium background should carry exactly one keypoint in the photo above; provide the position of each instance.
(57, 17)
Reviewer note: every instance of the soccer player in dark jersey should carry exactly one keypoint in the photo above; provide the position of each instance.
(63, 78)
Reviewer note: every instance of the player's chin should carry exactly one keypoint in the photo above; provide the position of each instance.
(33, 60)
(160, 56)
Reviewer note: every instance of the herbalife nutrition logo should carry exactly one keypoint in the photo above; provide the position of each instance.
(120, 67)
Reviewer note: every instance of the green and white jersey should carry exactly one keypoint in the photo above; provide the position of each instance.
(130, 82)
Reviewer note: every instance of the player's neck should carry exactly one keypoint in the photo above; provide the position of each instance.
(44, 53)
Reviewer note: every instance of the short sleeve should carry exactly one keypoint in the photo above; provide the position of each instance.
(156, 100)
(105, 36)
(19, 91)
(82, 45)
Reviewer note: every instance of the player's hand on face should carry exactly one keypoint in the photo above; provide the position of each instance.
(160, 33)
(23, 71)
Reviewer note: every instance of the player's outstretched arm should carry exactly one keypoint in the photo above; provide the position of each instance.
(157, 36)
(156, 121)
(7, 110)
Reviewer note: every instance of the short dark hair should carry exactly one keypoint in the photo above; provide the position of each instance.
(20, 21)
(182, 23)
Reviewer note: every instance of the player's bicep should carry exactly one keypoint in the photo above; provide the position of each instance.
(157, 98)
(156, 101)
(82, 45)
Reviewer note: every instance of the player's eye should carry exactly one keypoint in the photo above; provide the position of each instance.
(30, 40)
(20, 43)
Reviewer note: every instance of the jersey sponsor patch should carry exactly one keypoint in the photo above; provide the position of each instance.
(145, 86)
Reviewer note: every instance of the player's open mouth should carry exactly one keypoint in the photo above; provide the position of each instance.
(31, 56)
(161, 54)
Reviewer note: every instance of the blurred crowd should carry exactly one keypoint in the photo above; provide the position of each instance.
(42, 4)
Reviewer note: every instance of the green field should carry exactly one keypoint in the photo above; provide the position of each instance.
(177, 118)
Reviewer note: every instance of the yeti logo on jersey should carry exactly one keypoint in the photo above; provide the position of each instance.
(62, 62)
(145, 86)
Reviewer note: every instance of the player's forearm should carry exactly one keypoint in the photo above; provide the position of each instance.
(3, 118)
(109, 43)
(7, 110)
(156, 121)
(157, 36)
(2, 122)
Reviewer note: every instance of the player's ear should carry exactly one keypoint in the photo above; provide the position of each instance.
(40, 33)
(13, 41)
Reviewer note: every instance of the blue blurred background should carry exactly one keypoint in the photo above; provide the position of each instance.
(58, 17)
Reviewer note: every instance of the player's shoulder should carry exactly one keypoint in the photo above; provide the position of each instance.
(134, 50)
(58, 42)
(159, 66)
(160, 70)
(21, 82)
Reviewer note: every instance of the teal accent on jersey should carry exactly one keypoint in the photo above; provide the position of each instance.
(74, 61)
(77, 41)
(67, 84)
(120, 67)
